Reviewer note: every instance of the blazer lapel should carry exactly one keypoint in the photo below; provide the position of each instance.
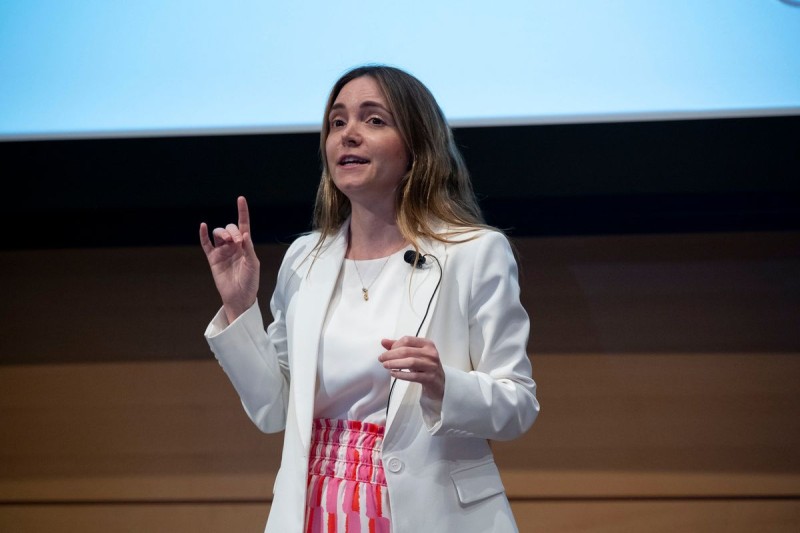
(312, 305)
(422, 284)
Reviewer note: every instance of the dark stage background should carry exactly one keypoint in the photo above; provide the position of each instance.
(702, 175)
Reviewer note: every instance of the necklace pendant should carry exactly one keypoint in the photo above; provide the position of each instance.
(366, 293)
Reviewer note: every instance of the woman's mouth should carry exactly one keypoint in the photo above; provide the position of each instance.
(351, 160)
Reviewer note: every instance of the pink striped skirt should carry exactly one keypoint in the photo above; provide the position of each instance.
(346, 484)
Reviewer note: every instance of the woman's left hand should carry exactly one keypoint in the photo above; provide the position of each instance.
(415, 359)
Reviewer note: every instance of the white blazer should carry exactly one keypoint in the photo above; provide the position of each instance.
(440, 471)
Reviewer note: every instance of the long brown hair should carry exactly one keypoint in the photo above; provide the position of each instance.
(437, 187)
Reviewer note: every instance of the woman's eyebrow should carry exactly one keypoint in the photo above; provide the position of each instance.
(365, 104)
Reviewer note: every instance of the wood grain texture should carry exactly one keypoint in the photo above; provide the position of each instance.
(624, 516)
(684, 293)
(611, 426)
(667, 368)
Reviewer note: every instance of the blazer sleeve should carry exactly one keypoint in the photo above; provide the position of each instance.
(255, 359)
(497, 398)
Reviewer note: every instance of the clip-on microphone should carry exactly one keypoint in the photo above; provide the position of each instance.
(414, 259)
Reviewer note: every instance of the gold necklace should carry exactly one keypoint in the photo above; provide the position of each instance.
(365, 288)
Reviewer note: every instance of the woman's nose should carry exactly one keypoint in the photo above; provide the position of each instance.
(351, 136)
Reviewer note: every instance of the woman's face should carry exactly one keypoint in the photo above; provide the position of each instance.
(365, 153)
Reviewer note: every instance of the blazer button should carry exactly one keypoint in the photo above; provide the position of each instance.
(394, 465)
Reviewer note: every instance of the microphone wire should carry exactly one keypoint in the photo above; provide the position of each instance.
(427, 309)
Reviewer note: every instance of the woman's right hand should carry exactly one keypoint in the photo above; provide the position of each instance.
(233, 262)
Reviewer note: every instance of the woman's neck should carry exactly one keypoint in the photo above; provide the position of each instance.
(373, 235)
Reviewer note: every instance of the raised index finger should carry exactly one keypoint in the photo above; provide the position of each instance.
(244, 215)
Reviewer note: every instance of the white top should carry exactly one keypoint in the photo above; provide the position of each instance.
(351, 383)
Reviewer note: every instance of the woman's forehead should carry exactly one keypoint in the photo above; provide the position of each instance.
(363, 88)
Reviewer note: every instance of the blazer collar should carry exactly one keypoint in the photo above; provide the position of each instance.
(319, 280)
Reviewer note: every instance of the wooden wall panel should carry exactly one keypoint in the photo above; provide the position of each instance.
(135, 518)
(658, 516)
(106, 431)
(611, 426)
(667, 368)
(615, 516)
(610, 294)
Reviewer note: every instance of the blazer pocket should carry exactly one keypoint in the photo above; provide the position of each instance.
(477, 483)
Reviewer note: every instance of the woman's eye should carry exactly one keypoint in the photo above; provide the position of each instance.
(337, 123)
(376, 121)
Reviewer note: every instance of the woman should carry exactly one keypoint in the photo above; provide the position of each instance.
(398, 343)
